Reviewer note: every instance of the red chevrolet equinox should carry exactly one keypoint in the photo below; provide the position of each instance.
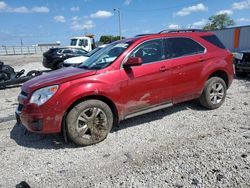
(127, 78)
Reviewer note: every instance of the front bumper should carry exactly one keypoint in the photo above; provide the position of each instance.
(39, 119)
(31, 124)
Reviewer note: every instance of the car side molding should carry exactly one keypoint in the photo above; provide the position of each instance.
(149, 109)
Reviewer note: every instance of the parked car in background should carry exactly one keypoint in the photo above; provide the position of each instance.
(54, 57)
(242, 63)
(127, 78)
(75, 61)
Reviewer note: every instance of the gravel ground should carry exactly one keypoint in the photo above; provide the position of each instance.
(182, 146)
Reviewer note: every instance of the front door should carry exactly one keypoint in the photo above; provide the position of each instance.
(145, 86)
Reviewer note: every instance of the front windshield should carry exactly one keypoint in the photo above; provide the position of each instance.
(105, 56)
(93, 51)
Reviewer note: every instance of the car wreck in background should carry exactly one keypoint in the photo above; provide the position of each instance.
(242, 63)
(75, 61)
(54, 57)
(8, 76)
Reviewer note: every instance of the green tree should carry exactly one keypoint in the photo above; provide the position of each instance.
(219, 21)
(109, 38)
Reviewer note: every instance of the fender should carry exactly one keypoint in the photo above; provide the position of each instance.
(212, 67)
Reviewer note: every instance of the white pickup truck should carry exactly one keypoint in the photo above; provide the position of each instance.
(86, 42)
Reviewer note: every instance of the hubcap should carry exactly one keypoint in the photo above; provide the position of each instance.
(92, 124)
(217, 93)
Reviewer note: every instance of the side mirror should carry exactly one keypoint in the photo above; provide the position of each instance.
(132, 61)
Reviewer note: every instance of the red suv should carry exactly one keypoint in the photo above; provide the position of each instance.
(127, 78)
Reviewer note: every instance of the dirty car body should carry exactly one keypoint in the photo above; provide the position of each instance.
(131, 77)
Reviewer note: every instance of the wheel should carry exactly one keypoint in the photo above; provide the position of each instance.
(241, 74)
(214, 93)
(89, 122)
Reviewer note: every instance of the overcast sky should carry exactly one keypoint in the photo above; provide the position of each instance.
(46, 21)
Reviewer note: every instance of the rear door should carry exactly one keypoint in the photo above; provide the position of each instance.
(185, 59)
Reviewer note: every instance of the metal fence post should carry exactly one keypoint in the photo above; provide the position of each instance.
(6, 50)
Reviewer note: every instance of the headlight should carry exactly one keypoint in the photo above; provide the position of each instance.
(41, 96)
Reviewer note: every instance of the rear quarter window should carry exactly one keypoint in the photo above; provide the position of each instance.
(213, 39)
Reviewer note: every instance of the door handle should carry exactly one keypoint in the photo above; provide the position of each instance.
(163, 69)
(201, 59)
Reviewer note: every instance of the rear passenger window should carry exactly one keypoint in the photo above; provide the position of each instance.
(150, 51)
(67, 51)
(178, 47)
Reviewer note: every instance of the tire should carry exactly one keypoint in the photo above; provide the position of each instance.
(241, 74)
(89, 122)
(214, 93)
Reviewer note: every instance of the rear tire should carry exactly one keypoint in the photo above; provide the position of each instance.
(89, 122)
(214, 93)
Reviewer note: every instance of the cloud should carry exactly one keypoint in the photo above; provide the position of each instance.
(75, 9)
(101, 14)
(241, 5)
(243, 20)
(173, 26)
(59, 19)
(23, 9)
(3, 5)
(127, 2)
(188, 10)
(76, 25)
(228, 12)
(199, 24)
(41, 9)
(75, 18)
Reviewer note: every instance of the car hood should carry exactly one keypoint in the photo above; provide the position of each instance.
(56, 77)
(76, 60)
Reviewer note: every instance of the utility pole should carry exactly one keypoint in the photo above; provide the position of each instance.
(119, 16)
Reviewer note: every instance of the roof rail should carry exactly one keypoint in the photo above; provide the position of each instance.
(181, 31)
(141, 35)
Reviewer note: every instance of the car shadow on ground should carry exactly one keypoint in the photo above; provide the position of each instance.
(56, 141)
(38, 141)
(157, 115)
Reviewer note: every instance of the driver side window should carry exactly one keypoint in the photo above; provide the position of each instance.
(150, 51)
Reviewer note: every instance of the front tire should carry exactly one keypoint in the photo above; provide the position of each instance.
(89, 122)
(214, 93)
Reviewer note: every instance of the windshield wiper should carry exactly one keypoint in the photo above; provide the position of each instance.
(84, 66)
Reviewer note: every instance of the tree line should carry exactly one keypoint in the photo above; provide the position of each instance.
(215, 22)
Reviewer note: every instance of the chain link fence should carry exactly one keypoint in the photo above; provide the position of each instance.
(19, 50)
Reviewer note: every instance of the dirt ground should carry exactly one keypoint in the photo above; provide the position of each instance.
(182, 146)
